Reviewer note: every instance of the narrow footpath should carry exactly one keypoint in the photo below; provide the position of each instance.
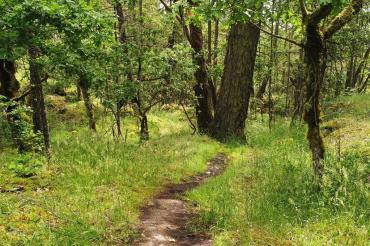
(163, 221)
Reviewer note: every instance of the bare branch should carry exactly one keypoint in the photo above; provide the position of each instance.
(345, 16)
(179, 18)
(279, 37)
(26, 93)
(165, 5)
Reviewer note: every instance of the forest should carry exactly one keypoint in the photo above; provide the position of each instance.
(184, 122)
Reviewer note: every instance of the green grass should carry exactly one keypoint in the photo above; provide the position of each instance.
(267, 196)
(91, 191)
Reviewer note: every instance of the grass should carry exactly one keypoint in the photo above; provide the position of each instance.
(267, 196)
(91, 191)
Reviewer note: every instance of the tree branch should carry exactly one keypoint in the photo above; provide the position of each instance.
(279, 37)
(179, 18)
(345, 16)
(321, 13)
(192, 126)
(26, 93)
(165, 5)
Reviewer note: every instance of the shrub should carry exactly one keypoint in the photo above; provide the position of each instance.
(26, 165)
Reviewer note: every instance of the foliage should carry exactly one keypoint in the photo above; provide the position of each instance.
(19, 114)
(26, 165)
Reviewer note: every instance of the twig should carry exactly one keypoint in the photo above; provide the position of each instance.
(192, 126)
(280, 37)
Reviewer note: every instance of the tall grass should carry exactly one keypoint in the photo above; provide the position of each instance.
(94, 186)
(267, 196)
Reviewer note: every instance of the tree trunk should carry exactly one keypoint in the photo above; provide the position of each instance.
(237, 82)
(9, 85)
(117, 116)
(356, 77)
(37, 98)
(83, 83)
(350, 72)
(78, 91)
(298, 91)
(315, 53)
(144, 130)
(262, 88)
(203, 90)
(314, 48)
(215, 50)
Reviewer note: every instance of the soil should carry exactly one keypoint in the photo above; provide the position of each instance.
(163, 221)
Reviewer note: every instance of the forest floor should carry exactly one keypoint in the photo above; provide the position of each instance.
(93, 189)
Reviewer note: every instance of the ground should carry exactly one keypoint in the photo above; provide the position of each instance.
(92, 190)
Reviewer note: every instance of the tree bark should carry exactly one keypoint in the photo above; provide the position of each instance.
(144, 129)
(37, 99)
(262, 88)
(9, 85)
(350, 72)
(237, 82)
(83, 83)
(78, 91)
(356, 77)
(298, 90)
(313, 59)
(215, 51)
(203, 90)
(314, 47)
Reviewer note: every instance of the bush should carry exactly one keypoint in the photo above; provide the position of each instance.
(18, 130)
(26, 165)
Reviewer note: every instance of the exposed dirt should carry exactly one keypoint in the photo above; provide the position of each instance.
(163, 221)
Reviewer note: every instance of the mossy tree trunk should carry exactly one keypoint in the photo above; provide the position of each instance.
(237, 82)
(313, 58)
(314, 47)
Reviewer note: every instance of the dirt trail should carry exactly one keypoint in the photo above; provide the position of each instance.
(163, 221)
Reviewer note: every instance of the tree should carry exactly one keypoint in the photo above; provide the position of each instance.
(204, 89)
(237, 82)
(314, 47)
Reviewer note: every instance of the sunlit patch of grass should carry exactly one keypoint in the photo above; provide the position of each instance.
(356, 106)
